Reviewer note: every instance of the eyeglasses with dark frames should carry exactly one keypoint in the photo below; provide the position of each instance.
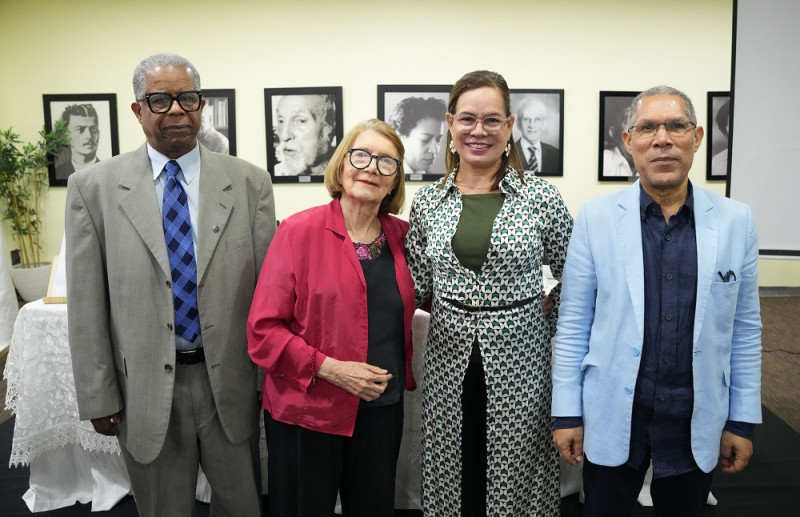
(675, 128)
(360, 159)
(161, 102)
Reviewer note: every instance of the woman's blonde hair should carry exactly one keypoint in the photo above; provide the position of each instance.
(393, 202)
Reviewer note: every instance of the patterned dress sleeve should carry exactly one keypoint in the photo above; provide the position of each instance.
(416, 241)
(556, 231)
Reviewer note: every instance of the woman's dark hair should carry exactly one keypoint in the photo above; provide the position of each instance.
(411, 110)
(473, 81)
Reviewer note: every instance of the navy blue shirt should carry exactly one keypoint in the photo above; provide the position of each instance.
(663, 400)
(664, 395)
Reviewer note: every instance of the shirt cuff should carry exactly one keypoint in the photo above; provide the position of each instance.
(567, 422)
(743, 429)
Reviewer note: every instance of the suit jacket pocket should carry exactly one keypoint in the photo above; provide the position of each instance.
(722, 308)
(240, 242)
(122, 373)
(119, 361)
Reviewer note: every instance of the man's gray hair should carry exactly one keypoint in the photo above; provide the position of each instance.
(660, 90)
(156, 60)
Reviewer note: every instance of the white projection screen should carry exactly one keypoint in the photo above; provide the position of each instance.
(765, 121)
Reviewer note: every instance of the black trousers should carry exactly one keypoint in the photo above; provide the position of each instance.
(612, 491)
(473, 442)
(308, 468)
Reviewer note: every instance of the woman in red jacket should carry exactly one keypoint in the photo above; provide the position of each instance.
(330, 325)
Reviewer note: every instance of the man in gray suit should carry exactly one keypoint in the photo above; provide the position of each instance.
(157, 331)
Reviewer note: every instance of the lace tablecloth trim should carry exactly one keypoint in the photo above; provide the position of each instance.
(41, 388)
(25, 450)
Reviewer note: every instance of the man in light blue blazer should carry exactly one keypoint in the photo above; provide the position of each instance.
(658, 349)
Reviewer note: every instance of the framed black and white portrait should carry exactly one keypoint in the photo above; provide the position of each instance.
(417, 114)
(615, 162)
(539, 130)
(304, 126)
(91, 120)
(718, 139)
(218, 130)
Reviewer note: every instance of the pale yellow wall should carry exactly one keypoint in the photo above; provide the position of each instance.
(583, 46)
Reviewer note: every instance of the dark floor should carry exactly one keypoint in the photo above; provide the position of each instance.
(767, 488)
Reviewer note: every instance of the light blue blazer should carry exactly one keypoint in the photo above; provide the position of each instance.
(601, 324)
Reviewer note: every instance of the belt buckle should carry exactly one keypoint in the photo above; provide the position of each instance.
(190, 356)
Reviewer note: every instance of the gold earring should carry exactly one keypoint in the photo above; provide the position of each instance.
(452, 147)
(508, 148)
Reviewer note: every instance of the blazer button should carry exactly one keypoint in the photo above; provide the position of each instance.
(636, 352)
(628, 389)
(215, 229)
(169, 327)
(169, 284)
(168, 368)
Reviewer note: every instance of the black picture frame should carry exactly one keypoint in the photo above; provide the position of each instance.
(403, 107)
(613, 156)
(302, 106)
(718, 137)
(220, 111)
(543, 117)
(103, 106)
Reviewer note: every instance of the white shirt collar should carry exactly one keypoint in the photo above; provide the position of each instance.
(526, 145)
(189, 162)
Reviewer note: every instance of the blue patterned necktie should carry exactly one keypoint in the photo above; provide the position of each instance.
(180, 249)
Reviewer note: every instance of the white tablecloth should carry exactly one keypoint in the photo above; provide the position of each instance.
(8, 299)
(69, 461)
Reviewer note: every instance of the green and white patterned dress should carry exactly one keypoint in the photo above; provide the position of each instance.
(515, 344)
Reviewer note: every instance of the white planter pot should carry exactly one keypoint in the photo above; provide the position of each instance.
(31, 282)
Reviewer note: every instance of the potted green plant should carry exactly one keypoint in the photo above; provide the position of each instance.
(23, 181)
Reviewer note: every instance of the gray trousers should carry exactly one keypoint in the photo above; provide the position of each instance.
(195, 436)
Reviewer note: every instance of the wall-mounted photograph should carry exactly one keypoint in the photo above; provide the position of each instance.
(91, 121)
(615, 162)
(417, 113)
(304, 126)
(218, 129)
(539, 130)
(718, 138)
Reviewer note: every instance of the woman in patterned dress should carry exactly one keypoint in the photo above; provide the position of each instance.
(330, 325)
(475, 248)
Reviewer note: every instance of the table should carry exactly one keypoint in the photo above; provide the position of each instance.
(68, 460)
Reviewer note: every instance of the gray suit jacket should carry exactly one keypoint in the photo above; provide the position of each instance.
(120, 301)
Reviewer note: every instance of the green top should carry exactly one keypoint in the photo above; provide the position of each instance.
(473, 234)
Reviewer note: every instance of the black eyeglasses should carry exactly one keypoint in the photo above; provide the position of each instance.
(360, 159)
(161, 102)
(675, 128)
